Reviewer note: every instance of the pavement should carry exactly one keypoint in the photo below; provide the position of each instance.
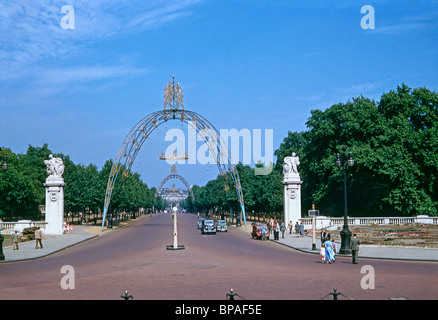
(53, 244)
(304, 244)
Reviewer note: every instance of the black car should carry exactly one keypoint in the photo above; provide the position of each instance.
(208, 227)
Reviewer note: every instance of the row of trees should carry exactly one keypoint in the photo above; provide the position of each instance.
(22, 191)
(261, 193)
(394, 143)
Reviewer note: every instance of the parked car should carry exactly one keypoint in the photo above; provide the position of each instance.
(200, 223)
(222, 226)
(257, 231)
(208, 227)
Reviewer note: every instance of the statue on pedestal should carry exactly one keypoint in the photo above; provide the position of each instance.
(290, 166)
(54, 196)
(55, 166)
(292, 189)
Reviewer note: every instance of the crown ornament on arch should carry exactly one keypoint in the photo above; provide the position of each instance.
(173, 96)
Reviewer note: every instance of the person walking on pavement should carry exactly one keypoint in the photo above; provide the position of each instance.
(15, 240)
(38, 238)
(334, 249)
(324, 235)
(290, 226)
(354, 248)
(301, 229)
(297, 229)
(282, 229)
(268, 226)
(264, 233)
(276, 230)
(329, 255)
(322, 253)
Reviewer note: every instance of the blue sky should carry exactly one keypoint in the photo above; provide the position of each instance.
(242, 64)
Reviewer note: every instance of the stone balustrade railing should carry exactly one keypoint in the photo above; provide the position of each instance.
(9, 227)
(327, 222)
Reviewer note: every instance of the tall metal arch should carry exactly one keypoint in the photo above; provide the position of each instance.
(173, 98)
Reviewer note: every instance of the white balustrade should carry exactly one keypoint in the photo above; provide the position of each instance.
(328, 222)
(7, 228)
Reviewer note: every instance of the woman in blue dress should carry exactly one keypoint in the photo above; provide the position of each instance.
(329, 255)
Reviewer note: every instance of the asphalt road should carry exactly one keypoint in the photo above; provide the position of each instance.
(134, 258)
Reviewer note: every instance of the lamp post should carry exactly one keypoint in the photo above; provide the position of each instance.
(4, 167)
(344, 161)
(175, 245)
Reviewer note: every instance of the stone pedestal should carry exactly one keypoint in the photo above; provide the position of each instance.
(54, 205)
(292, 201)
(292, 189)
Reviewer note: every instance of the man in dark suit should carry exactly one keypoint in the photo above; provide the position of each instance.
(324, 235)
(354, 248)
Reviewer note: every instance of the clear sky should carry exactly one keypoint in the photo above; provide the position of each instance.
(242, 64)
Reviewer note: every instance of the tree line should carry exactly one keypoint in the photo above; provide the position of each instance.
(22, 192)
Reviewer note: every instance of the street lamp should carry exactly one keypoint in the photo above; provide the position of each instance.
(175, 245)
(4, 167)
(344, 161)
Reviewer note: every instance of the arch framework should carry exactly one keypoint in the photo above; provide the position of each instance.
(175, 175)
(143, 129)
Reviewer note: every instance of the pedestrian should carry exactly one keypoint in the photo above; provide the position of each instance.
(354, 248)
(301, 229)
(268, 226)
(334, 249)
(277, 230)
(324, 235)
(15, 240)
(290, 226)
(322, 253)
(297, 229)
(329, 256)
(282, 229)
(264, 233)
(38, 238)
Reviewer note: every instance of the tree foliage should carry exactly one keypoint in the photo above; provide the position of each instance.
(395, 147)
(22, 186)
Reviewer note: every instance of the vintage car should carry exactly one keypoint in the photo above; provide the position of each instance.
(200, 222)
(222, 226)
(208, 227)
(257, 231)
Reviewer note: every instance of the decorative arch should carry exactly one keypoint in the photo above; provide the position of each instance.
(173, 109)
(174, 175)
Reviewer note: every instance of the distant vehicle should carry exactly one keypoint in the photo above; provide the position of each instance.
(222, 226)
(257, 231)
(208, 227)
(200, 223)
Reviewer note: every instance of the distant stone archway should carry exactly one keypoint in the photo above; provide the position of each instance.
(173, 109)
(174, 175)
